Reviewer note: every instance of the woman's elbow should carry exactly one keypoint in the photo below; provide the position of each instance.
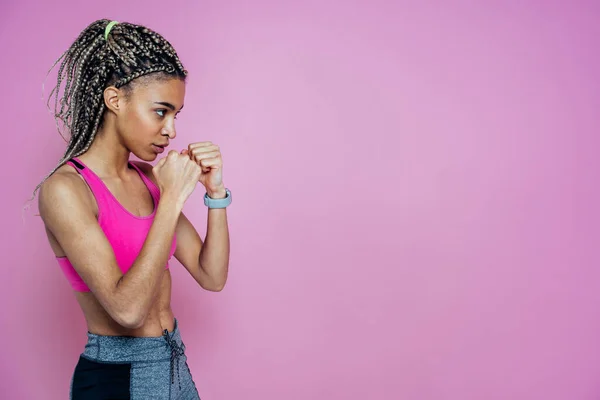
(130, 320)
(214, 286)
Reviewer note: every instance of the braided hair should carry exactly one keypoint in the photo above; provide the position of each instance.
(95, 61)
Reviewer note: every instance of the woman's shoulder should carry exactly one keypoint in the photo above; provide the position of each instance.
(65, 186)
(65, 180)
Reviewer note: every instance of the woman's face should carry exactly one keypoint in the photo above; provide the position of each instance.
(148, 122)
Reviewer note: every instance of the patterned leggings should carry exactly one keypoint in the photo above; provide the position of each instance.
(132, 368)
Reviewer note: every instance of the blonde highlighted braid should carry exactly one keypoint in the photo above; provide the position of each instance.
(95, 61)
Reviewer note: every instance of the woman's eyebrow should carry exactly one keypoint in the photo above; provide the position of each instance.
(166, 104)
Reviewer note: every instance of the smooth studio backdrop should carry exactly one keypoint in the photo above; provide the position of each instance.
(415, 186)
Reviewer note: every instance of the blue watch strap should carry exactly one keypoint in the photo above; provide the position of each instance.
(218, 203)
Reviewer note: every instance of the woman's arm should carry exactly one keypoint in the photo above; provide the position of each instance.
(208, 261)
(127, 298)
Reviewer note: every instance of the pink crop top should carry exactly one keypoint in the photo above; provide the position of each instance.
(125, 232)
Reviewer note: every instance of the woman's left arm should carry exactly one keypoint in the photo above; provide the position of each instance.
(207, 262)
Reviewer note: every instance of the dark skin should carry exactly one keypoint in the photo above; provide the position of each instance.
(138, 303)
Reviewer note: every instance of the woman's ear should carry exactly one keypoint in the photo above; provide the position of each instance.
(113, 99)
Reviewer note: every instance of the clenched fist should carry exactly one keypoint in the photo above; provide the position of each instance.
(177, 176)
(208, 157)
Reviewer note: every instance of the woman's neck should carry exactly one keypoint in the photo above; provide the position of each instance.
(107, 155)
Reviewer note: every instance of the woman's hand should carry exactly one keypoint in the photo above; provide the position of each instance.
(208, 156)
(176, 176)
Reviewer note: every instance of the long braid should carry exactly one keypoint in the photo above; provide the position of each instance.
(93, 63)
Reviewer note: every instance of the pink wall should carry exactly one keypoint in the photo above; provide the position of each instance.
(415, 198)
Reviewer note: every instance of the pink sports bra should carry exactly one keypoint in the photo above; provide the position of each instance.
(125, 232)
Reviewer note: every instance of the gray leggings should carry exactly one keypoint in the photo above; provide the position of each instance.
(132, 368)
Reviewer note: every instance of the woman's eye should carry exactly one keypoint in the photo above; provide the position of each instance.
(161, 112)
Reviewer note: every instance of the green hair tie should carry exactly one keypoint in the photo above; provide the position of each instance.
(108, 28)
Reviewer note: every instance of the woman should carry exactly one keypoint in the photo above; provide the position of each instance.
(114, 224)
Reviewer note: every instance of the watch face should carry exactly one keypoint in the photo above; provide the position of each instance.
(215, 203)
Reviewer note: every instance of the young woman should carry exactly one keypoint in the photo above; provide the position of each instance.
(114, 224)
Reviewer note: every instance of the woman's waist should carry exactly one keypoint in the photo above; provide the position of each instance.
(122, 348)
(159, 317)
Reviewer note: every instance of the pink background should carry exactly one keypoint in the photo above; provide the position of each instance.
(415, 206)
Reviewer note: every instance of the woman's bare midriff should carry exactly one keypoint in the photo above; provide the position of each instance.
(159, 318)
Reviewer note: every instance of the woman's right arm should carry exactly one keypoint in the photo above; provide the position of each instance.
(126, 297)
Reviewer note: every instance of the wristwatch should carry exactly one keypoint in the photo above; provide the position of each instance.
(218, 203)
